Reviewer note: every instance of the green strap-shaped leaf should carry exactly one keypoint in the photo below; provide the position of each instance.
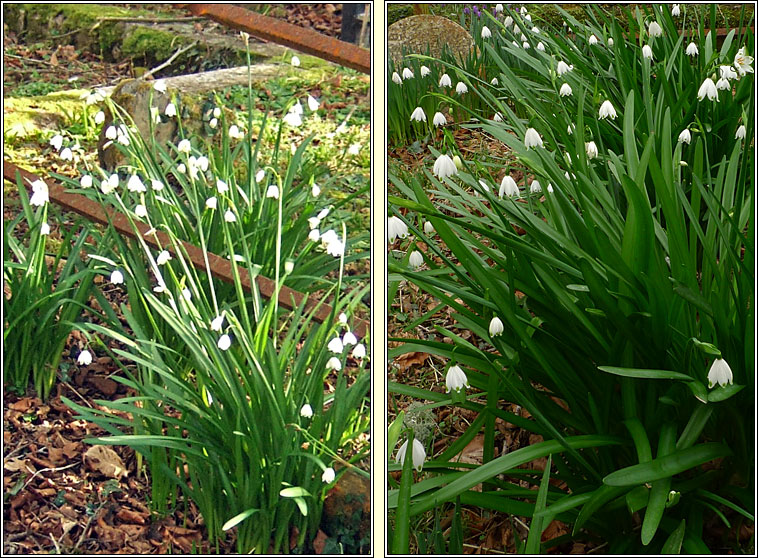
(673, 544)
(239, 518)
(539, 523)
(666, 466)
(646, 373)
(660, 489)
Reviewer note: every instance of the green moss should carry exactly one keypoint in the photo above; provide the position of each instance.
(151, 45)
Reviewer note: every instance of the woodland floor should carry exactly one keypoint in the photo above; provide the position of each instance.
(61, 495)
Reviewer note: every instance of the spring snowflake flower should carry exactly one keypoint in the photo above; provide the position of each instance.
(217, 323)
(532, 138)
(86, 181)
(40, 194)
(349, 339)
(396, 78)
(273, 192)
(295, 61)
(675, 11)
(685, 136)
(355, 148)
(306, 411)
(444, 166)
(607, 111)
(135, 184)
(336, 346)
(221, 186)
(170, 110)
(541, 46)
(591, 150)
(418, 115)
(425, 71)
(610, 41)
(315, 190)
(213, 123)
(727, 72)
(314, 235)
(654, 30)
(313, 103)
(647, 52)
(438, 119)
(526, 45)
(293, 119)
(407, 73)
(184, 146)
(455, 379)
(117, 278)
(211, 203)
(708, 88)
(57, 142)
(163, 257)
(535, 187)
(335, 248)
(334, 364)
(593, 40)
(418, 454)
(496, 327)
(44, 229)
(742, 62)
(67, 154)
(229, 216)
(498, 8)
(342, 318)
(495, 81)
(445, 81)
(111, 133)
(486, 33)
(94, 97)
(691, 50)
(359, 351)
(565, 90)
(109, 185)
(741, 132)
(723, 84)
(140, 211)
(396, 228)
(328, 476)
(416, 259)
(160, 85)
(497, 117)
(508, 21)
(428, 228)
(85, 358)
(563, 68)
(720, 373)
(224, 342)
(508, 187)
(461, 88)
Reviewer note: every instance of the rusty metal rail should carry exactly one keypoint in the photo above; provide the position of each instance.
(283, 33)
(220, 267)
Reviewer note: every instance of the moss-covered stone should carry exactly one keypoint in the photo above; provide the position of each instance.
(29, 116)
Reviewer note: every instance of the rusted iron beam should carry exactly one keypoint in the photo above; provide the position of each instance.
(220, 267)
(283, 33)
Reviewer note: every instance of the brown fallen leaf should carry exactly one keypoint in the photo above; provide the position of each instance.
(319, 543)
(106, 461)
(405, 361)
(130, 516)
(15, 464)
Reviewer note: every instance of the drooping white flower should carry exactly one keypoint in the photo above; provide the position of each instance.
(444, 166)
(117, 278)
(306, 411)
(163, 257)
(535, 30)
(508, 21)
(349, 338)
(685, 136)
(445, 81)
(314, 235)
(743, 62)
(184, 146)
(610, 41)
(495, 81)
(156, 185)
(486, 33)
(342, 318)
(135, 184)
(541, 46)
(720, 373)
(461, 88)
(741, 132)
(335, 248)
(295, 61)
(654, 30)
(708, 88)
(170, 110)
(67, 154)
(273, 192)
(396, 78)
(497, 117)
(498, 8)
(727, 72)
(607, 111)
(111, 133)
(107, 186)
(418, 454)
(44, 229)
(526, 45)
(160, 85)
(428, 228)
(328, 476)
(528, 17)
(334, 364)
(40, 194)
(355, 148)
(217, 323)
(723, 84)
(140, 211)
(691, 50)
(407, 73)
(563, 68)
(85, 358)
(224, 342)
(293, 119)
(186, 294)
(359, 351)
(396, 228)
(591, 148)
(565, 90)
(229, 216)
(313, 103)
(532, 138)
(211, 203)
(416, 259)
(593, 40)
(647, 52)
(496, 327)
(508, 187)
(675, 11)
(335, 346)
(86, 181)
(438, 119)
(535, 187)
(425, 71)
(418, 115)
(455, 379)
(57, 142)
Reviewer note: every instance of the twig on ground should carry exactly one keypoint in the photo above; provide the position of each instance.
(54, 469)
(86, 527)
(169, 61)
(45, 62)
(153, 19)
